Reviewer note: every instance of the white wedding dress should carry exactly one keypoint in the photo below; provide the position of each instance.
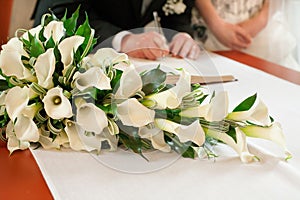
(275, 43)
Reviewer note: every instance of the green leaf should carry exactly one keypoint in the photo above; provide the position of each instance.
(4, 85)
(246, 104)
(153, 80)
(50, 43)
(36, 47)
(85, 31)
(189, 153)
(154, 76)
(71, 23)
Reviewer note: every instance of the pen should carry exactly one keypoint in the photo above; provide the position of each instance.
(159, 30)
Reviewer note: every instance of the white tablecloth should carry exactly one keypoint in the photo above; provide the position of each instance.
(123, 175)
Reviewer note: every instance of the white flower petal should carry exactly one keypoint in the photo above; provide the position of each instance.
(26, 129)
(192, 132)
(199, 111)
(91, 118)
(34, 32)
(218, 108)
(10, 60)
(156, 136)
(240, 146)
(93, 77)
(273, 133)
(44, 68)
(130, 83)
(68, 47)
(16, 100)
(55, 29)
(106, 57)
(132, 113)
(56, 104)
(13, 143)
(257, 114)
(172, 97)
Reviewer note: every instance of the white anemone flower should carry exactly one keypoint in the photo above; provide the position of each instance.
(91, 118)
(130, 83)
(192, 132)
(81, 140)
(257, 114)
(55, 29)
(172, 97)
(93, 77)
(68, 47)
(106, 57)
(16, 100)
(44, 68)
(56, 104)
(13, 143)
(156, 136)
(10, 60)
(240, 146)
(132, 113)
(216, 110)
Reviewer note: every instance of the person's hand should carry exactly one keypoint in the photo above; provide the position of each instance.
(232, 36)
(150, 45)
(258, 22)
(183, 45)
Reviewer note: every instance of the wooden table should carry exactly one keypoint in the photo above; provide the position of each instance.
(20, 174)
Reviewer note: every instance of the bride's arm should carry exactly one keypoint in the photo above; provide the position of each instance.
(258, 22)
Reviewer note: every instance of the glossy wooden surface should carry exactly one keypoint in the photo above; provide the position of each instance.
(268, 67)
(20, 177)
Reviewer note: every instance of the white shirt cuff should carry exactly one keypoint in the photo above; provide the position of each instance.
(117, 40)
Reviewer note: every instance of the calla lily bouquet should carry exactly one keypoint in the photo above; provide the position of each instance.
(54, 94)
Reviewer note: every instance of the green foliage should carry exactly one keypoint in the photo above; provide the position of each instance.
(152, 80)
(246, 104)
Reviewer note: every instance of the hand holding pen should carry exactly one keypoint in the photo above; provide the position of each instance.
(182, 44)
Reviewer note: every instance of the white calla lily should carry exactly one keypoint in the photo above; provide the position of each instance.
(257, 114)
(240, 145)
(26, 129)
(56, 104)
(156, 136)
(13, 143)
(216, 110)
(172, 97)
(106, 57)
(44, 68)
(93, 77)
(34, 32)
(130, 83)
(80, 140)
(68, 47)
(132, 113)
(91, 118)
(16, 100)
(273, 133)
(47, 142)
(192, 132)
(55, 29)
(11, 60)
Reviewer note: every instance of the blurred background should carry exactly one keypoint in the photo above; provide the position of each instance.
(16, 14)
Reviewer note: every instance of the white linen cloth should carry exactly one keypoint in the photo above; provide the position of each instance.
(124, 175)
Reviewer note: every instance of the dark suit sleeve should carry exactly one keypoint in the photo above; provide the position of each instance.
(103, 29)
